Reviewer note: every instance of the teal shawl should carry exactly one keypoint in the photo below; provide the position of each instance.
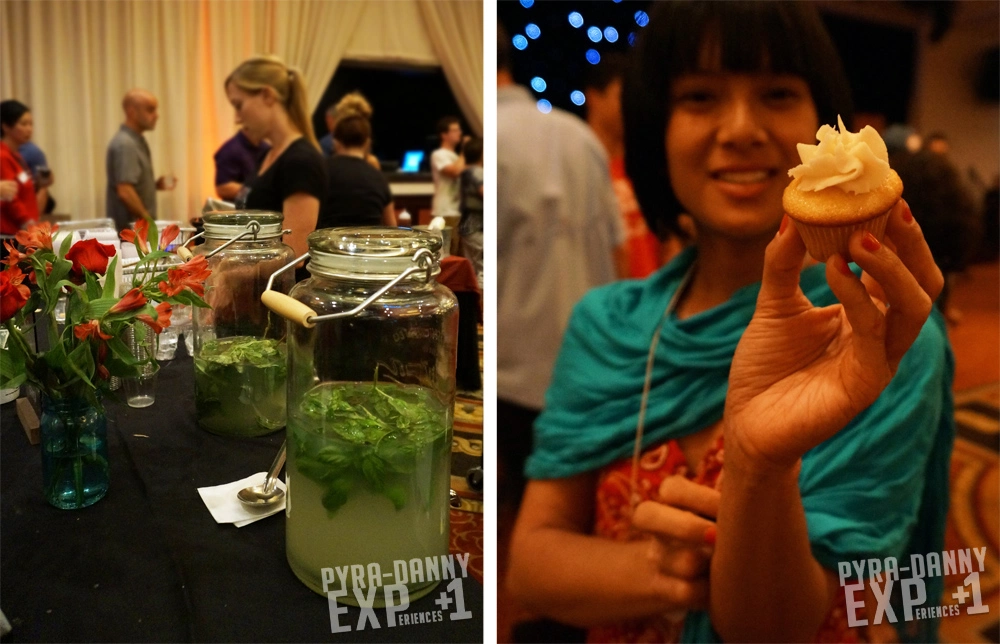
(878, 488)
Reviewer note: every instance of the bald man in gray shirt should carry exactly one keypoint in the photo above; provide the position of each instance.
(131, 192)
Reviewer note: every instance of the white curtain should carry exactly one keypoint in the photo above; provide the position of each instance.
(455, 28)
(391, 32)
(71, 61)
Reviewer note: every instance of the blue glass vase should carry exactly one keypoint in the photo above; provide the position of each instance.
(74, 442)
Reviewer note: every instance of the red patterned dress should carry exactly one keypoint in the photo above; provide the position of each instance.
(613, 521)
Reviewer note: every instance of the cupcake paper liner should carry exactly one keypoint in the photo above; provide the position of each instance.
(824, 241)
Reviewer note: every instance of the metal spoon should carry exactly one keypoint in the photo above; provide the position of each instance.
(260, 496)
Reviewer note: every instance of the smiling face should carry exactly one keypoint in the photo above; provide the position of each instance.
(20, 132)
(731, 139)
(253, 111)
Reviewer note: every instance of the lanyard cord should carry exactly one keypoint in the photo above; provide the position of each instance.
(647, 383)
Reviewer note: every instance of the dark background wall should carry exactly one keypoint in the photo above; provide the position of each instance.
(406, 102)
(879, 58)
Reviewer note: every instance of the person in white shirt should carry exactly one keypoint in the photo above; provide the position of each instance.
(446, 167)
(559, 234)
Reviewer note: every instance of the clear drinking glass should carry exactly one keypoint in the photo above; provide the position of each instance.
(140, 391)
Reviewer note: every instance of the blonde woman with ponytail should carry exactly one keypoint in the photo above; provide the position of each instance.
(270, 102)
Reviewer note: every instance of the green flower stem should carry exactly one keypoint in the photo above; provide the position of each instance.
(15, 335)
(53, 327)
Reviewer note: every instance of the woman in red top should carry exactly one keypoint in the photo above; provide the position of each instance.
(15, 121)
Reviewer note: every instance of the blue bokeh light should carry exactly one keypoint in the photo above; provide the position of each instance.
(616, 1)
(577, 97)
(594, 33)
(520, 42)
(593, 57)
(544, 106)
(631, 38)
(538, 84)
(641, 18)
(576, 19)
(532, 30)
(527, 3)
(611, 34)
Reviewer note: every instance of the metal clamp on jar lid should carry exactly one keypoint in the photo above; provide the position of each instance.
(365, 254)
(237, 225)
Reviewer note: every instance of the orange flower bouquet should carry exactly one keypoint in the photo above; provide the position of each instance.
(75, 368)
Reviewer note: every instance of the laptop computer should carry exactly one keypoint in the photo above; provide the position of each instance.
(412, 161)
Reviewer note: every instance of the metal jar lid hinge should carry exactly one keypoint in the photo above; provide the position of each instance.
(292, 309)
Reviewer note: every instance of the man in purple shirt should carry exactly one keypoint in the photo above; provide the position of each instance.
(236, 165)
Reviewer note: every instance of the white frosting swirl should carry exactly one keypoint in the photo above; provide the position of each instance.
(855, 163)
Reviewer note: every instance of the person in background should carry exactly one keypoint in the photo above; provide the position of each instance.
(270, 101)
(131, 192)
(21, 208)
(901, 138)
(947, 211)
(602, 90)
(446, 166)
(721, 438)
(41, 174)
(236, 163)
(937, 143)
(470, 226)
(357, 194)
(350, 104)
(559, 234)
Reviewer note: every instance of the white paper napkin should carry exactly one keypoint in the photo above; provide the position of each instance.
(225, 507)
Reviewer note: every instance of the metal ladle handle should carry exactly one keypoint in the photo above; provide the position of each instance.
(272, 473)
(295, 311)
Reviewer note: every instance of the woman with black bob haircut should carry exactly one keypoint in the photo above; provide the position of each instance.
(752, 37)
(829, 391)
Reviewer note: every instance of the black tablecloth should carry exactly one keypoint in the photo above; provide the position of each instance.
(149, 563)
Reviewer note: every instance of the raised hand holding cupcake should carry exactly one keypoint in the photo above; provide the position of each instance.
(844, 184)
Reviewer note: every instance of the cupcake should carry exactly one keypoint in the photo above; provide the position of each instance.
(844, 184)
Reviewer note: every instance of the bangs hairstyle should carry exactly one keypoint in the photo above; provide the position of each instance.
(749, 37)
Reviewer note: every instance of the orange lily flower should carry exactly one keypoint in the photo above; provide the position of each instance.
(36, 236)
(141, 231)
(191, 274)
(132, 300)
(162, 320)
(14, 256)
(168, 235)
(91, 329)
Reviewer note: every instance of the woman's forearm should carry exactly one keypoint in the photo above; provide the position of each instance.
(765, 585)
(587, 581)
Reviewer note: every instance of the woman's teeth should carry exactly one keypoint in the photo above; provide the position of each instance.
(743, 177)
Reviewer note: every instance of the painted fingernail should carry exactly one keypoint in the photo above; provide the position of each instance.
(907, 213)
(869, 243)
(784, 224)
(841, 265)
(710, 535)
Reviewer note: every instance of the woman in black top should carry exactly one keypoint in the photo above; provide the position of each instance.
(357, 194)
(270, 102)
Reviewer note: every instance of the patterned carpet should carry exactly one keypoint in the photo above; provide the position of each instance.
(466, 453)
(974, 516)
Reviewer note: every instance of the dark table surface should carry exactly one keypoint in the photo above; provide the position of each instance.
(148, 563)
